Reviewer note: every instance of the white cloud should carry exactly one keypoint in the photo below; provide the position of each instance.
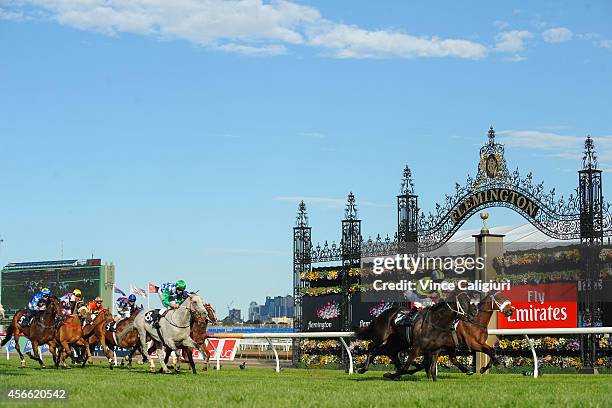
(353, 42)
(556, 145)
(515, 58)
(249, 27)
(511, 41)
(605, 44)
(254, 51)
(313, 135)
(557, 35)
(500, 24)
(8, 15)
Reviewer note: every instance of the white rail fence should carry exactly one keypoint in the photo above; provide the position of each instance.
(343, 335)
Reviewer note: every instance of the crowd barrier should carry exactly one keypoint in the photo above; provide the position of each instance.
(343, 335)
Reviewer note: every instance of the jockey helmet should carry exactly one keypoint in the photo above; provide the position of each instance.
(45, 292)
(98, 300)
(180, 284)
(132, 298)
(77, 292)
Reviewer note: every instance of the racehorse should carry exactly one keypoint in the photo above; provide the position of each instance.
(199, 326)
(173, 332)
(424, 334)
(473, 333)
(95, 331)
(41, 330)
(120, 336)
(70, 333)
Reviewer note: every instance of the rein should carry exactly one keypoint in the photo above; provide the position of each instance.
(190, 311)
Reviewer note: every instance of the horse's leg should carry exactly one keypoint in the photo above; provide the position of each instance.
(489, 351)
(433, 365)
(34, 355)
(66, 350)
(105, 348)
(83, 343)
(206, 353)
(452, 354)
(52, 349)
(17, 346)
(187, 347)
(415, 351)
(190, 358)
(372, 352)
(418, 367)
(162, 357)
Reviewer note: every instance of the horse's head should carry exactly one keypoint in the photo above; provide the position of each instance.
(496, 301)
(104, 314)
(54, 307)
(459, 302)
(212, 315)
(196, 306)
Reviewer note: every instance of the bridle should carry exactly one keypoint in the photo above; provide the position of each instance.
(500, 306)
(459, 309)
(192, 311)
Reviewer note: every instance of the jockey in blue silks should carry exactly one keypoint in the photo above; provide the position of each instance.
(38, 303)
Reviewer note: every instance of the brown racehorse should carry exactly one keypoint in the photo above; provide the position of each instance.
(69, 333)
(473, 334)
(95, 331)
(121, 337)
(42, 330)
(199, 325)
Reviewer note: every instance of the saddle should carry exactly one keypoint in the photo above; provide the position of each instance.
(111, 326)
(405, 319)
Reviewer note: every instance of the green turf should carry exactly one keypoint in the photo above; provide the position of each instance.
(97, 386)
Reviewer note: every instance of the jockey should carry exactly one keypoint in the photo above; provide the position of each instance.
(123, 309)
(38, 303)
(71, 302)
(95, 306)
(132, 303)
(173, 294)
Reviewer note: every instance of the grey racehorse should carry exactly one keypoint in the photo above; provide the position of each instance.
(174, 328)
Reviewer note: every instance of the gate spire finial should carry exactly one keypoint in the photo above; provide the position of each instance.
(491, 136)
(302, 217)
(589, 160)
(350, 213)
(407, 184)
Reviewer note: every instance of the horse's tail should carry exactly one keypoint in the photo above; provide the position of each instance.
(365, 333)
(9, 334)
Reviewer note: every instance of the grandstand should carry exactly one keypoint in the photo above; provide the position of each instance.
(19, 281)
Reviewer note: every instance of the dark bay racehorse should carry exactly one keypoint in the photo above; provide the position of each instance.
(425, 333)
(473, 334)
(41, 330)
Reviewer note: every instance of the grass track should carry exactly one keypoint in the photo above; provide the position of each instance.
(97, 386)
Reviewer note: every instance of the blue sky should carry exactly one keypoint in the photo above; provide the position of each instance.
(176, 138)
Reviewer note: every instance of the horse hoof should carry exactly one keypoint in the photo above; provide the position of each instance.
(23, 363)
(482, 370)
(392, 376)
(469, 373)
(165, 371)
(361, 371)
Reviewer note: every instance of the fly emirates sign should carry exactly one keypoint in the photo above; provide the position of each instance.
(542, 305)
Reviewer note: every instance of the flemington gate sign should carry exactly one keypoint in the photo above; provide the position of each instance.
(582, 216)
